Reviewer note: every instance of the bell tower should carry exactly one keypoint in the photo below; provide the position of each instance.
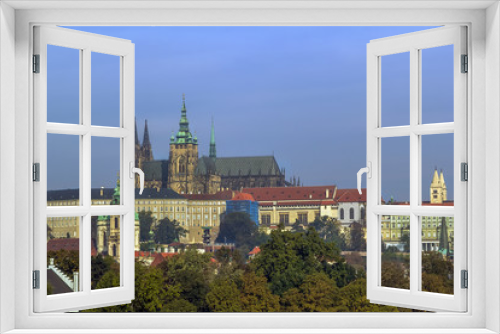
(183, 157)
(438, 190)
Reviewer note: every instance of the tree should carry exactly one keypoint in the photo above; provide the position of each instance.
(297, 226)
(238, 228)
(145, 221)
(437, 273)
(193, 272)
(288, 257)
(329, 229)
(256, 296)
(168, 231)
(110, 279)
(358, 241)
(100, 265)
(405, 240)
(352, 298)
(224, 296)
(68, 261)
(318, 293)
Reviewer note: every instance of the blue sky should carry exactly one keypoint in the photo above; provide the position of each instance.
(296, 92)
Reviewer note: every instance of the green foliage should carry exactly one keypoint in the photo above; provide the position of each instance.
(67, 261)
(50, 288)
(224, 296)
(256, 296)
(352, 298)
(145, 221)
(358, 241)
(100, 265)
(238, 228)
(329, 229)
(395, 270)
(288, 257)
(318, 293)
(110, 279)
(405, 240)
(168, 231)
(437, 273)
(193, 272)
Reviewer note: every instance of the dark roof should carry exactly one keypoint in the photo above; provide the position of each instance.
(158, 193)
(58, 285)
(156, 170)
(66, 194)
(234, 166)
(221, 195)
(69, 244)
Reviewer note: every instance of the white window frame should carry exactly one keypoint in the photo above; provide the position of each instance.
(483, 19)
(86, 44)
(414, 43)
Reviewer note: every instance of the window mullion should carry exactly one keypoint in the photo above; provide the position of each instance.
(414, 167)
(85, 171)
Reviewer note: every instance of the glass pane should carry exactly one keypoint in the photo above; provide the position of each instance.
(63, 85)
(105, 89)
(105, 171)
(437, 169)
(63, 170)
(437, 254)
(395, 251)
(63, 254)
(437, 84)
(105, 262)
(395, 89)
(395, 170)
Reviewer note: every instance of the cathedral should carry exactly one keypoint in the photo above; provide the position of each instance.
(187, 173)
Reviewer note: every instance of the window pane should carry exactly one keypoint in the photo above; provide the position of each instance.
(395, 251)
(105, 89)
(395, 90)
(437, 169)
(105, 262)
(105, 171)
(63, 85)
(63, 170)
(437, 254)
(63, 254)
(437, 84)
(395, 170)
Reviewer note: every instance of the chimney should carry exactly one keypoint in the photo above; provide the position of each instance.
(76, 282)
(327, 192)
(102, 191)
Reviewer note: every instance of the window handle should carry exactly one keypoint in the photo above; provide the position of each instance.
(368, 171)
(135, 170)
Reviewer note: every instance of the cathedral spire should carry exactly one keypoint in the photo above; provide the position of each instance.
(184, 136)
(136, 135)
(145, 141)
(213, 152)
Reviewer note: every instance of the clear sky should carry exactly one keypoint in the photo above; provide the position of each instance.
(296, 92)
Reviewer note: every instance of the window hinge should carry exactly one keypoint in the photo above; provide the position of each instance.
(464, 170)
(36, 172)
(36, 63)
(465, 279)
(465, 64)
(36, 279)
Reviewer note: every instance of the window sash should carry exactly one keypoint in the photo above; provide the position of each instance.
(413, 43)
(86, 43)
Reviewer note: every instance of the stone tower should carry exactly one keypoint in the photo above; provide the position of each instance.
(144, 152)
(438, 190)
(183, 157)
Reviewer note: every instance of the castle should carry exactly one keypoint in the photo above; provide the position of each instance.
(187, 173)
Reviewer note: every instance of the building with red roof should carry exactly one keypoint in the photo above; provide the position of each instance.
(244, 202)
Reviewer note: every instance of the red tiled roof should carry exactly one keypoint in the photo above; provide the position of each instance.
(350, 195)
(291, 193)
(69, 244)
(158, 259)
(255, 251)
(243, 197)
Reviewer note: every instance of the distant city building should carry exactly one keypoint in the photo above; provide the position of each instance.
(187, 173)
(351, 206)
(437, 232)
(286, 205)
(243, 202)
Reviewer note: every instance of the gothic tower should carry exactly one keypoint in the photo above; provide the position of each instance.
(146, 144)
(183, 157)
(438, 190)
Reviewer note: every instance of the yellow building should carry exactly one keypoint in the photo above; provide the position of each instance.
(394, 227)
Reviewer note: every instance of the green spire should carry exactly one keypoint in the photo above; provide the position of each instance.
(183, 135)
(444, 244)
(213, 152)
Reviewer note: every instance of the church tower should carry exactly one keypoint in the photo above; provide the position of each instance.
(146, 144)
(183, 157)
(213, 152)
(438, 190)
